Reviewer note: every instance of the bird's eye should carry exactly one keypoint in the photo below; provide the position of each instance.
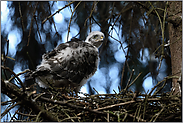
(95, 36)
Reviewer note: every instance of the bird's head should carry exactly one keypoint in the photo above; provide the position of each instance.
(95, 38)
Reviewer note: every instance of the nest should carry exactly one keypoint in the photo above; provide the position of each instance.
(33, 104)
(64, 105)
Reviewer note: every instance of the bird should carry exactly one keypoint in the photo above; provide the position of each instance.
(70, 64)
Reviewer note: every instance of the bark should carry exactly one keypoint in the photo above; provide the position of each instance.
(175, 36)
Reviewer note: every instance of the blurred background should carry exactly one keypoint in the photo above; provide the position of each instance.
(132, 40)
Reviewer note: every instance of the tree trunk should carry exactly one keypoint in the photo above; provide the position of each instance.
(175, 36)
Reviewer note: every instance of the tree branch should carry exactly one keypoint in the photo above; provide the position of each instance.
(28, 102)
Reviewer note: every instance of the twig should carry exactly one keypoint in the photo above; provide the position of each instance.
(111, 14)
(9, 101)
(163, 42)
(135, 115)
(21, 83)
(95, 21)
(160, 88)
(122, 11)
(3, 58)
(161, 82)
(154, 13)
(95, 90)
(108, 120)
(70, 7)
(90, 25)
(70, 118)
(19, 74)
(157, 115)
(39, 95)
(117, 41)
(71, 105)
(28, 115)
(123, 71)
(135, 79)
(7, 110)
(56, 33)
(70, 20)
(30, 60)
(57, 12)
(37, 27)
(129, 79)
(138, 112)
(93, 8)
(126, 114)
(168, 44)
(140, 119)
(10, 58)
(38, 116)
(31, 24)
(145, 103)
(29, 103)
(111, 106)
(21, 16)
(13, 117)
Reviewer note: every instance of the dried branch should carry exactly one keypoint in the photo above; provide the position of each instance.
(70, 105)
(31, 24)
(21, 83)
(162, 30)
(174, 22)
(111, 106)
(71, 20)
(156, 115)
(127, 85)
(56, 33)
(3, 58)
(19, 74)
(8, 109)
(122, 75)
(135, 79)
(28, 115)
(24, 99)
(37, 28)
(23, 28)
(8, 102)
(70, 118)
(57, 12)
(93, 8)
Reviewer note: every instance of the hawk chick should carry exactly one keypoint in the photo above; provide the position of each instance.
(71, 63)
